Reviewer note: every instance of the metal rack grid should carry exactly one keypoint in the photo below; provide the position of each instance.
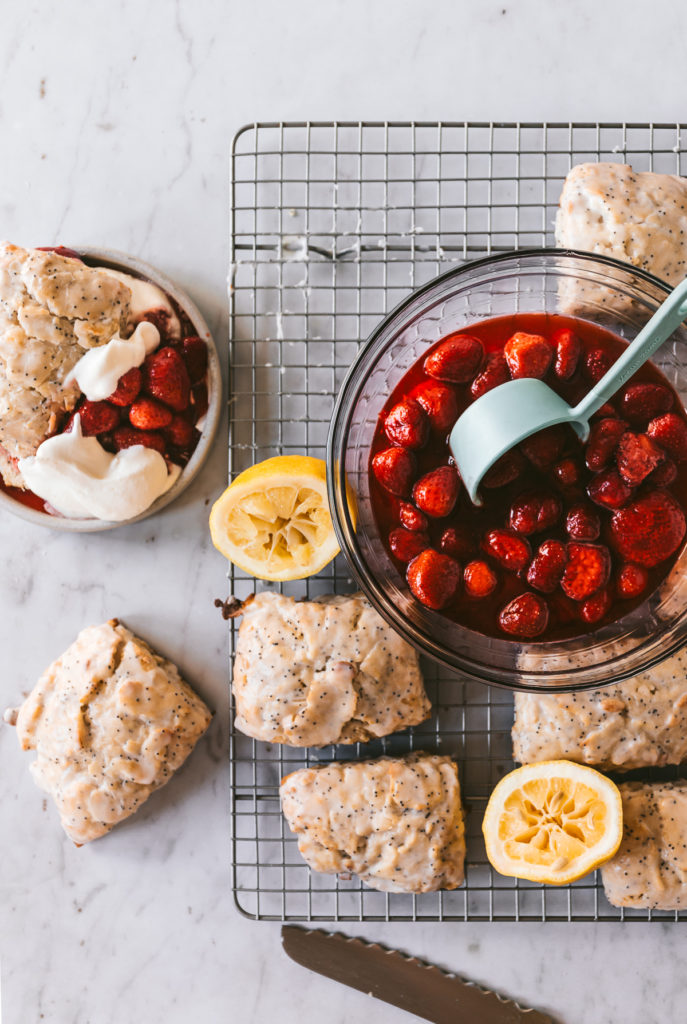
(333, 224)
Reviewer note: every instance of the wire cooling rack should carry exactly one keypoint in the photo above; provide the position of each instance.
(332, 225)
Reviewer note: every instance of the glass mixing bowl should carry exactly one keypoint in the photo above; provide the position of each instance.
(595, 288)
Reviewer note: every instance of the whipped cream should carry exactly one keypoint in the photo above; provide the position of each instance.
(145, 296)
(79, 478)
(99, 370)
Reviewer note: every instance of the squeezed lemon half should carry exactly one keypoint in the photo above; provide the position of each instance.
(552, 822)
(273, 520)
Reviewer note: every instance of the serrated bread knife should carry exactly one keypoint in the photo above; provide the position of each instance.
(402, 981)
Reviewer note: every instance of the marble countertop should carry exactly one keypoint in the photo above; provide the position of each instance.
(116, 122)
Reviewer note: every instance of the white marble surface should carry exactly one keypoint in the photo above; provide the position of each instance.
(115, 125)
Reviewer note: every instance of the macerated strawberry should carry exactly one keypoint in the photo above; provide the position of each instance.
(128, 387)
(640, 403)
(457, 359)
(147, 414)
(504, 471)
(528, 355)
(587, 570)
(568, 472)
(127, 437)
(664, 475)
(394, 469)
(609, 489)
(411, 517)
(605, 412)
(439, 402)
(525, 616)
(458, 542)
(636, 457)
(596, 364)
(195, 353)
(649, 529)
(199, 399)
(165, 377)
(631, 581)
(670, 431)
(180, 433)
(568, 350)
(535, 511)
(546, 568)
(433, 578)
(582, 522)
(162, 319)
(407, 424)
(97, 418)
(595, 607)
(545, 447)
(479, 578)
(436, 492)
(495, 372)
(603, 441)
(508, 548)
(406, 545)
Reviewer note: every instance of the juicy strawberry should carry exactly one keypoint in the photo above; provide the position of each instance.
(596, 364)
(407, 424)
(533, 512)
(406, 545)
(436, 492)
(127, 437)
(411, 517)
(162, 319)
(546, 568)
(632, 580)
(587, 570)
(128, 387)
(394, 469)
(670, 431)
(649, 530)
(567, 472)
(195, 353)
(457, 359)
(604, 413)
(439, 402)
(457, 541)
(640, 403)
(595, 607)
(544, 447)
(568, 350)
(495, 372)
(508, 548)
(199, 399)
(180, 433)
(147, 414)
(97, 418)
(664, 475)
(479, 578)
(582, 523)
(525, 616)
(609, 489)
(603, 441)
(504, 471)
(636, 457)
(433, 578)
(528, 355)
(165, 377)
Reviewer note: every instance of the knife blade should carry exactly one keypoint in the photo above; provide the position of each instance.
(402, 981)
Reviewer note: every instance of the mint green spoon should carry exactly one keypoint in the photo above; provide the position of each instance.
(508, 414)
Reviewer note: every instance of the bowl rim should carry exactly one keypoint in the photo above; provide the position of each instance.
(343, 521)
(140, 268)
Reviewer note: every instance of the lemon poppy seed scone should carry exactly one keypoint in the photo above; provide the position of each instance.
(310, 673)
(650, 869)
(397, 823)
(110, 722)
(52, 309)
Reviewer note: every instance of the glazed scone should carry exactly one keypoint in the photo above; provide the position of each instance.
(52, 308)
(650, 868)
(637, 723)
(640, 218)
(110, 721)
(395, 822)
(310, 673)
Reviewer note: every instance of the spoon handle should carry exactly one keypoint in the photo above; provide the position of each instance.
(665, 320)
